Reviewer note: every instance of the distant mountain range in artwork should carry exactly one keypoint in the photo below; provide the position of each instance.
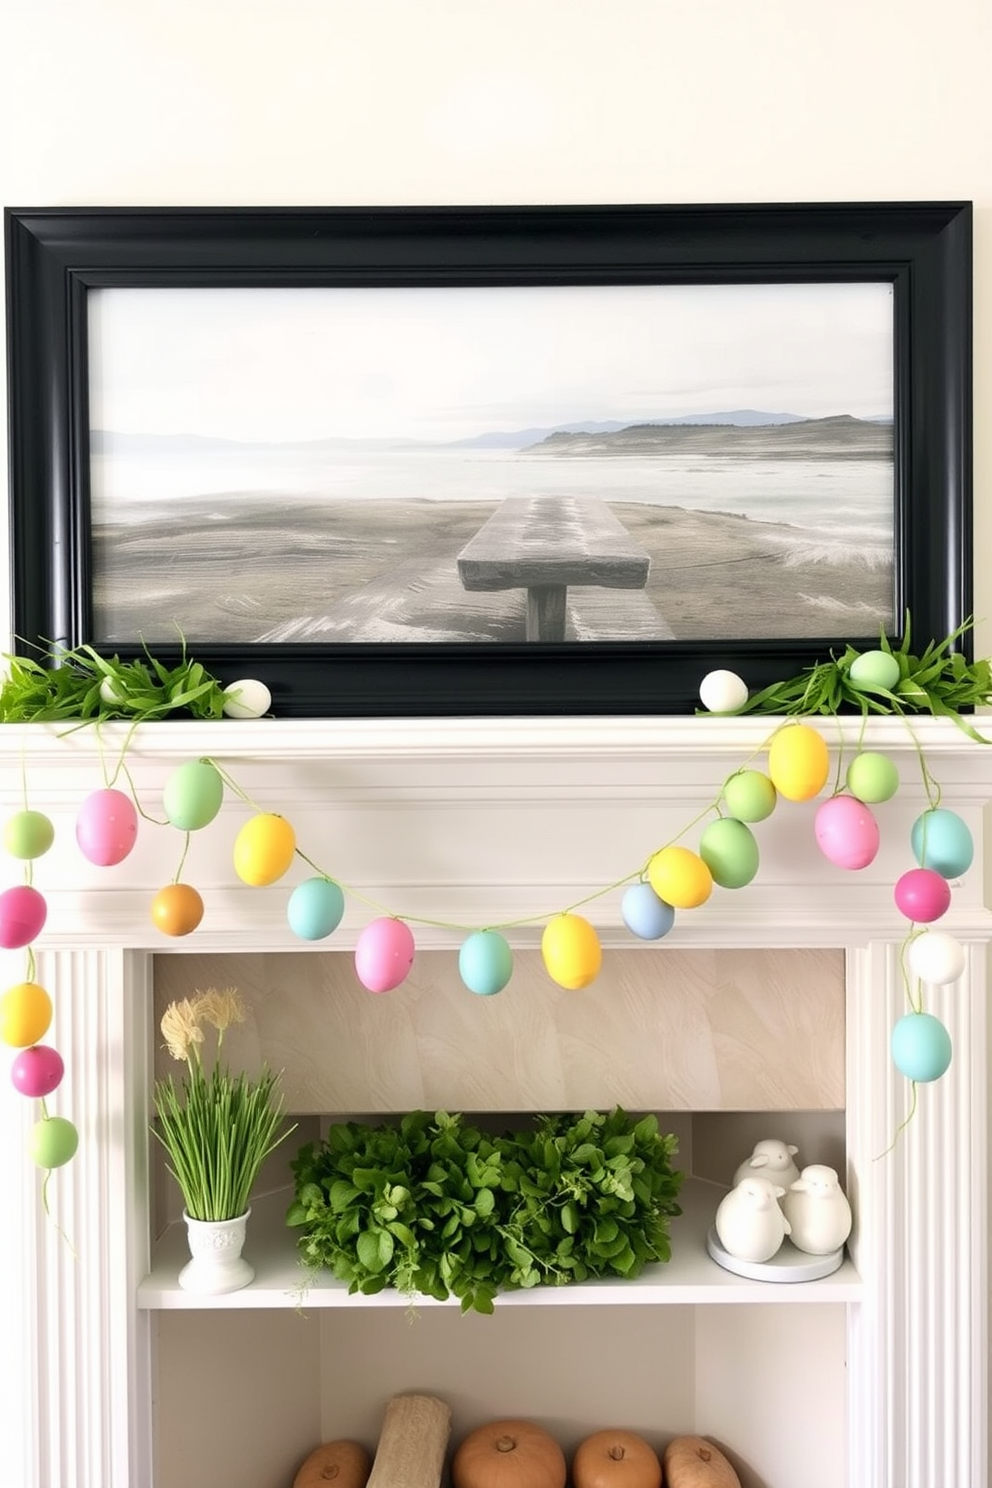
(744, 430)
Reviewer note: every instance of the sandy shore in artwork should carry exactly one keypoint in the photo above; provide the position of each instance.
(245, 568)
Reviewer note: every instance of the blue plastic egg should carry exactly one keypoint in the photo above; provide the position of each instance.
(943, 842)
(315, 908)
(485, 962)
(921, 1047)
(645, 914)
(384, 954)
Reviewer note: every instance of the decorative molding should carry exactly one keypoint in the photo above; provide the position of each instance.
(918, 1398)
(564, 805)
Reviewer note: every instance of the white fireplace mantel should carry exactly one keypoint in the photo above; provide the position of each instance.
(463, 823)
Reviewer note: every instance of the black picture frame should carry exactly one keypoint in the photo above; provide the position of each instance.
(54, 256)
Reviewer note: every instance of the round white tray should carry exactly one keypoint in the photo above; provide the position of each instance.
(789, 1264)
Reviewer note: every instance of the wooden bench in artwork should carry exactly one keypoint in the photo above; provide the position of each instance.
(547, 545)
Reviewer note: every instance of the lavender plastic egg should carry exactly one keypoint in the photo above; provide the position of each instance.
(922, 895)
(485, 962)
(23, 912)
(936, 957)
(106, 827)
(645, 914)
(37, 1071)
(921, 1047)
(846, 832)
(384, 954)
(942, 841)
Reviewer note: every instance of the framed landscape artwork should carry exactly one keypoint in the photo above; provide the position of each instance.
(490, 461)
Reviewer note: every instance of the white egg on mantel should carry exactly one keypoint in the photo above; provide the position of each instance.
(248, 698)
(722, 691)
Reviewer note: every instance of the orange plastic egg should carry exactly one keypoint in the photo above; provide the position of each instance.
(177, 909)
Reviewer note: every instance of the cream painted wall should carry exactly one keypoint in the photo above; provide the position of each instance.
(435, 101)
(328, 101)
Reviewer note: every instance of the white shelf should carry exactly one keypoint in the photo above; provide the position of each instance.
(690, 1278)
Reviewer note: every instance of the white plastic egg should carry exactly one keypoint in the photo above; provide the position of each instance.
(722, 692)
(248, 698)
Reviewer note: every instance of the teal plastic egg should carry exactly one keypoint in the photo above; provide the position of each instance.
(921, 1047)
(943, 842)
(28, 834)
(485, 962)
(730, 852)
(52, 1142)
(750, 795)
(315, 908)
(644, 914)
(872, 777)
(874, 669)
(193, 794)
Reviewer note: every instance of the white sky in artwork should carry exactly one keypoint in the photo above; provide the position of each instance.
(450, 363)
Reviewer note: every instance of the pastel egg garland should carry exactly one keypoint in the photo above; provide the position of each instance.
(676, 877)
(37, 1069)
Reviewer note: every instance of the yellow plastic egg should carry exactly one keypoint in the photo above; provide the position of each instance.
(571, 951)
(798, 762)
(680, 877)
(25, 1014)
(263, 849)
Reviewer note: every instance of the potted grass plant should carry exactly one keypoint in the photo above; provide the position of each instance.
(217, 1128)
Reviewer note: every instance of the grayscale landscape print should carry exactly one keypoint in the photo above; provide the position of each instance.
(501, 464)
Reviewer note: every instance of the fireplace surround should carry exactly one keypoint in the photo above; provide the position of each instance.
(462, 823)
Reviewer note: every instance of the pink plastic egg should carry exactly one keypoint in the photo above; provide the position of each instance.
(106, 827)
(846, 832)
(384, 954)
(37, 1071)
(23, 912)
(922, 895)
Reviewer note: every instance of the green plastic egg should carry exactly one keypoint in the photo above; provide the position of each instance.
(729, 850)
(874, 669)
(52, 1142)
(872, 777)
(28, 834)
(750, 795)
(193, 794)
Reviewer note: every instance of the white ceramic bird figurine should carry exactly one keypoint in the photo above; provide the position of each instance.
(750, 1225)
(772, 1160)
(818, 1211)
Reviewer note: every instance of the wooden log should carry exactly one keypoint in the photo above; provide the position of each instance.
(413, 1443)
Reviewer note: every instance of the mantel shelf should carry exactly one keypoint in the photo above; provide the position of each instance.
(691, 1277)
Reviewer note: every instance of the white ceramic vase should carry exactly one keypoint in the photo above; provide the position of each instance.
(216, 1264)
